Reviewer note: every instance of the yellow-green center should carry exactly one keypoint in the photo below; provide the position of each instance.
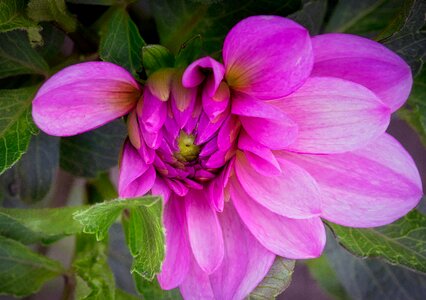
(188, 151)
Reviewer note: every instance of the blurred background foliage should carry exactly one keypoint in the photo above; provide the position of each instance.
(68, 244)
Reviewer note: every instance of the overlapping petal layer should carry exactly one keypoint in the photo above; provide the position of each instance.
(372, 186)
(365, 62)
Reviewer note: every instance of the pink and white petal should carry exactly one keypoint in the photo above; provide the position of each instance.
(132, 166)
(178, 256)
(267, 57)
(293, 194)
(196, 285)
(141, 185)
(87, 71)
(291, 238)
(194, 74)
(334, 115)
(245, 262)
(372, 186)
(363, 61)
(264, 122)
(83, 97)
(205, 233)
(260, 157)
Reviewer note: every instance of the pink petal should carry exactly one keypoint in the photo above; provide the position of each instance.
(218, 103)
(132, 166)
(178, 255)
(264, 122)
(160, 188)
(177, 186)
(245, 263)
(154, 112)
(267, 57)
(365, 62)
(216, 189)
(228, 132)
(182, 102)
(334, 115)
(133, 130)
(207, 128)
(293, 194)
(372, 186)
(196, 285)
(141, 185)
(260, 157)
(205, 233)
(291, 238)
(83, 97)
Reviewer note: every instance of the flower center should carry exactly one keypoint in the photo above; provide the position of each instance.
(188, 151)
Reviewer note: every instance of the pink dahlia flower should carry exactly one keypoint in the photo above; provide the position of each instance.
(250, 154)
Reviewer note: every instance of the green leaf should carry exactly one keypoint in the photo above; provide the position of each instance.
(22, 271)
(179, 20)
(410, 41)
(52, 10)
(32, 176)
(44, 225)
(156, 57)
(373, 279)
(18, 57)
(143, 229)
(94, 2)
(121, 42)
(402, 242)
(276, 281)
(100, 189)
(12, 17)
(326, 277)
(94, 152)
(414, 113)
(98, 218)
(16, 125)
(95, 280)
(152, 290)
(121, 261)
(367, 17)
(122, 295)
(311, 16)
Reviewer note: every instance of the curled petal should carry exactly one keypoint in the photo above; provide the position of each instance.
(365, 62)
(372, 186)
(83, 97)
(334, 115)
(291, 238)
(195, 73)
(267, 57)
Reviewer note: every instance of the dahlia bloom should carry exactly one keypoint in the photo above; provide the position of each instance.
(251, 153)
